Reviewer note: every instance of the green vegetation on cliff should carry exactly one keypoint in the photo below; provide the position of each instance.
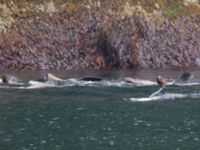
(12, 10)
(170, 7)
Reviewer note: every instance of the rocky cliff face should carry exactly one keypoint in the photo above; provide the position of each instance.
(55, 35)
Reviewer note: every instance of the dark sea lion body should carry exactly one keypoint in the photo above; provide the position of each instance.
(91, 79)
(185, 77)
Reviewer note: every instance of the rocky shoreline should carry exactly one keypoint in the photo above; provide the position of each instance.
(73, 37)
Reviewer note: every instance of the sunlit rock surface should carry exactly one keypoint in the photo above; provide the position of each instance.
(99, 34)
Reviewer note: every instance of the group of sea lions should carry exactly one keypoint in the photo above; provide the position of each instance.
(185, 77)
(162, 82)
(51, 77)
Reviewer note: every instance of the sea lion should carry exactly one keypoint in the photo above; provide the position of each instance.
(161, 81)
(88, 78)
(138, 81)
(4, 79)
(185, 77)
(7, 79)
(51, 77)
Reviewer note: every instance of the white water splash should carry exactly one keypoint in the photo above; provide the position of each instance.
(75, 82)
(36, 85)
(156, 93)
(167, 96)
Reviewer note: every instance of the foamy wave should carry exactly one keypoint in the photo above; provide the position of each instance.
(36, 85)
(74, 82)
(167, 96)
(187, 84)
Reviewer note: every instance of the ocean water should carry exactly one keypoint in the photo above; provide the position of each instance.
(100, 116)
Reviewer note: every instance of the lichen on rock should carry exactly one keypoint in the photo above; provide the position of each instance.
(6, 18)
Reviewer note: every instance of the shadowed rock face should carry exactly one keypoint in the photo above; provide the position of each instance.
(99, 39)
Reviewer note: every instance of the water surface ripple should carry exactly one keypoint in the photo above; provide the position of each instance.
(100, 118)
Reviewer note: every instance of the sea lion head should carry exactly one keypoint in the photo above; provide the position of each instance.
(185, 77)
(4, 79)
(161, 81)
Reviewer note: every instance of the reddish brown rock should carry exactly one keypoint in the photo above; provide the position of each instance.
(100, 39)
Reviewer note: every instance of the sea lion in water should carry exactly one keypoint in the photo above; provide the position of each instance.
(138, 81)
(88, 78)
(9, 79)
(161, 81)
(51, 77)
(4, 79)
(185, 77)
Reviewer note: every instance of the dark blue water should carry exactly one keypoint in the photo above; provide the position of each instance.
(99, 118)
